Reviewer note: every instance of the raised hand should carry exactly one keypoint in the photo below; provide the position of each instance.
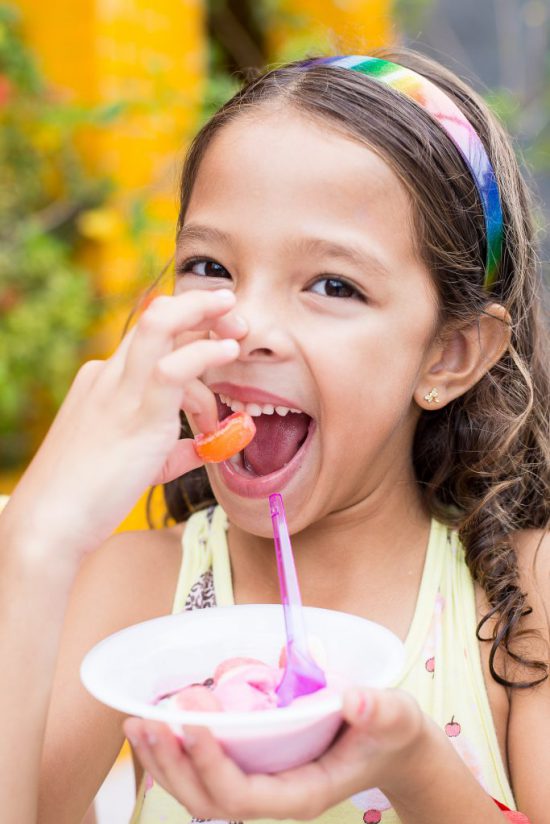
(118, 428)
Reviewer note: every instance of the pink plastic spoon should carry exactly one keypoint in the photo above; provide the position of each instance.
(302, 675)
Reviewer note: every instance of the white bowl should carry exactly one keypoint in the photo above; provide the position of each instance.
(130, 669)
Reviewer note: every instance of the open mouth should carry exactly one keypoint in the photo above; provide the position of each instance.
(280, 435)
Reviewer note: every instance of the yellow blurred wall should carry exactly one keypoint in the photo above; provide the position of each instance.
(150, 55)
(347, 26)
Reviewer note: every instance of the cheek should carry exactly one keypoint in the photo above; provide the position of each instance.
(368, 378)
(366, 365)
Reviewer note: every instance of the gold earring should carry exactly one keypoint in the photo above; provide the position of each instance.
(432, 396)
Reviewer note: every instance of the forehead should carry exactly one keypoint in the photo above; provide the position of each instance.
(281, 171)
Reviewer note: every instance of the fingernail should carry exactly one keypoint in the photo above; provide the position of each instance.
(230, 346)
(151, 738)
(362, 704)
(240, 322)
(225, 295)
(134, 741)
(189, 740)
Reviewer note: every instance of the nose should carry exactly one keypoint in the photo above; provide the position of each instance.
(269, 336)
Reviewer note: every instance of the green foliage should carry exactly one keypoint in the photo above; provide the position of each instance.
(15, 60)
(47, 302)
(47, 305)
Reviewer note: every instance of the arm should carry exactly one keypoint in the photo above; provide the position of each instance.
(438, 786)
(116, 434)
(529, 727)
(31, 575)
(131, 579)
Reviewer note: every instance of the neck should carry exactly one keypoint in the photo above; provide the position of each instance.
(376, 540)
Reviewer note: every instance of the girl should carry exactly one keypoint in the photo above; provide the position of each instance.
(355, 247)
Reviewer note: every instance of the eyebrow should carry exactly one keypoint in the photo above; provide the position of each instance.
(194, 231)
(329, 248)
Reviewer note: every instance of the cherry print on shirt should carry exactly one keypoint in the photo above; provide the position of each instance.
(433, 639)
(371, 803)
(452, 729)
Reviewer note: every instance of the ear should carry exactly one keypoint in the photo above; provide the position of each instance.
(459, 357)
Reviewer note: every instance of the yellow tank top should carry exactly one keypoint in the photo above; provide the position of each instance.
(442, 666)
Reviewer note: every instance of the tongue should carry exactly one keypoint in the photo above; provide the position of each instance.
(276, 442)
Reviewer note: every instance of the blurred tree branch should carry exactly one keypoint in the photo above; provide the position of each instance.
(234, 25)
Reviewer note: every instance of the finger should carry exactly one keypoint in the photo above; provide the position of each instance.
(163, 320)
(189, 362)
(391, 717)
(358, 706)
(176, 370)
(114, 364)
(164, 758)
(119, 355)
(200, 402)
(181, 459)
(223, 780)
(300, 793)
(231, 325)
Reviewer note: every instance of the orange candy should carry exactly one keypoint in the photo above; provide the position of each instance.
(232, 435)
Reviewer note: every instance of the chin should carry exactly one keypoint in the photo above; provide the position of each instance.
(252, 515)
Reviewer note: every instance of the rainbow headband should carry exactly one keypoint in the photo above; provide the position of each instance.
(431, 98)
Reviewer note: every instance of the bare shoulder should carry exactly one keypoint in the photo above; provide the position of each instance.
(533, 558)
(533, 563)
(131, 578)
(141, 567)
(529, 726)
(533, 554)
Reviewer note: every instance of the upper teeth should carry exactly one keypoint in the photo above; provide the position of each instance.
(255, 409)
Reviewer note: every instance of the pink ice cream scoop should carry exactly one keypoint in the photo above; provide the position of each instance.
(246, 686)
(238, 685)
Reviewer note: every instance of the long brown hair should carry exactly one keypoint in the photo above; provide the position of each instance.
(481, 461)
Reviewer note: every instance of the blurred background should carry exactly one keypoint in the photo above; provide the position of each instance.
(98, 101)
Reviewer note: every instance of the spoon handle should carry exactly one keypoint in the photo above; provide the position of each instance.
(290, 591)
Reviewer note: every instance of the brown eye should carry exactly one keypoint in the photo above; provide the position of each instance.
(210, 269)
(335, 288)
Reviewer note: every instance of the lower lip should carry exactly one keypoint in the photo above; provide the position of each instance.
(249, 486)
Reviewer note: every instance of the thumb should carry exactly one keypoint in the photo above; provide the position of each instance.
(181, 459)
(391, 716)
(358, 707)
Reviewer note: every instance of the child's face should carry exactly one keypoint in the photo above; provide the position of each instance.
(343, 335)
